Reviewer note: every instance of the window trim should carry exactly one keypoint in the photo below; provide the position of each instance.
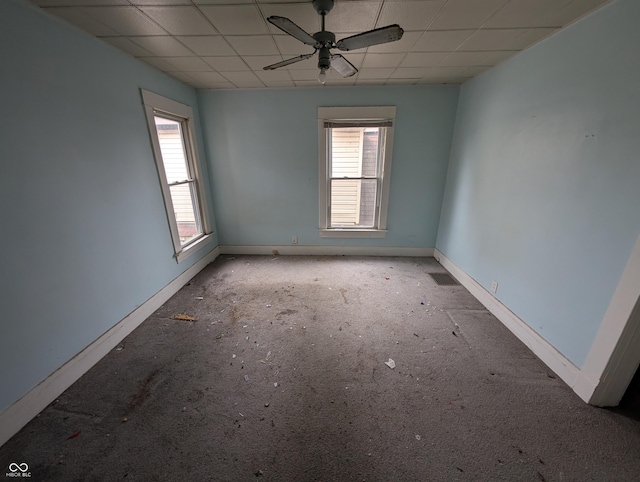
(155, 104)
(342, 114)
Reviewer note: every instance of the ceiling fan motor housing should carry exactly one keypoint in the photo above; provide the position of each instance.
(326, 40)
(324, 58)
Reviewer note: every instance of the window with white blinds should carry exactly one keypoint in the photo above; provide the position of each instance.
(175, 154)
(355, 166)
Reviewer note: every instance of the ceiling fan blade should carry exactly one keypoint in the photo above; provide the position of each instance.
(292, 29)
(390, 33)
(288, 61)
(342, 66)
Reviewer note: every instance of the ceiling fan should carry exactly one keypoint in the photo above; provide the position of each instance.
(324, 41)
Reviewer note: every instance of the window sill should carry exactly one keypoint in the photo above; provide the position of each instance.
(192, 248)
(353, 233)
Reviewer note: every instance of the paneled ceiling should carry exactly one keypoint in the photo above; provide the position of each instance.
(224, 44)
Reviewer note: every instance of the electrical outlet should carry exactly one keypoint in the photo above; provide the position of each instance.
(294, 239)
(494, 286)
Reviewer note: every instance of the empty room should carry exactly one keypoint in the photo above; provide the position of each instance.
(286, 240)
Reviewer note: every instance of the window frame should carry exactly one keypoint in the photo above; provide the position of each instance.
(364, 115)
(157, 105)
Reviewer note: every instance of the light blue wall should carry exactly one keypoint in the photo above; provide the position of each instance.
(543, 188)
(85, 238)
(262, 146)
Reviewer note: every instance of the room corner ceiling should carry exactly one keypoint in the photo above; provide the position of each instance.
(224, 44)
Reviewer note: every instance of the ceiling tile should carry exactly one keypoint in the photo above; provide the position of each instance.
(162, 46)
(289, 46)
(125, 20)
(302, 14)
(78, 17)
(410, 72)
(253, 44)
(275, 84)
(182, 76)
(207, 77)
(228, 64)
(441, 80)
(242, 77)
(128, 46)
(473, 71)
(505, 39)
(542, 13)
(249, 84)
(188, 64)
(180, 20)
(382, 60)
(207, 45)
(464, 14)
(273, 75)
(579, 8)
(341, 81)
(213, 85)
(410, 15)
(441, 72)
(257, 62)
(430, 81)
(401, 81)
(227, 2)
(375, 73)
(348, 16)
(158, 63)
(83, 3)
(360, 81)
(442, 40)
(273, 78)
(236, 19)
(423, 59)
(405, 44)
(473, 59)
(160, 2)
(304, 74)
(308, 83)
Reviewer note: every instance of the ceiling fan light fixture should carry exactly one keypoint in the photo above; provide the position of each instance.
(322, 76)
(324, 40)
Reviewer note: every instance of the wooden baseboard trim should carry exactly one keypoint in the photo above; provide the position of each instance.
(22, 411)
(293, 250)
(557, 362)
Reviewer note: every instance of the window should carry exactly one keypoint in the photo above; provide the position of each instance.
(175, 154)
(355, 145)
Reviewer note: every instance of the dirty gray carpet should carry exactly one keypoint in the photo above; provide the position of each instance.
(282, 377)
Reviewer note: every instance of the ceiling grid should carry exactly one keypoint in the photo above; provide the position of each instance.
(224, 44)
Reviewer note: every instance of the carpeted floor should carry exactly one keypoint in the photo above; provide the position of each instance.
(282, 377)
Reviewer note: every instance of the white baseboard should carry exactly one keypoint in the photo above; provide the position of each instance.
(21, 412)
(557, 362)
(289, 250)
(614, 356)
